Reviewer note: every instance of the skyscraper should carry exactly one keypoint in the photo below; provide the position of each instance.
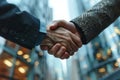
(17, 62)
(99, 59)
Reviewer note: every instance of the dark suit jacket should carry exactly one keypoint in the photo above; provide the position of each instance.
(19, 27)
(95, 20)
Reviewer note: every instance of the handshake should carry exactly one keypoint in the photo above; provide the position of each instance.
(62, 39)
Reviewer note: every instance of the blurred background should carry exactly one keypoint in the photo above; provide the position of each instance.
(97, 60)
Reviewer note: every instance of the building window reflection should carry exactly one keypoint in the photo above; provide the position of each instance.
(5, 65)
(10, 44)
(21, 70)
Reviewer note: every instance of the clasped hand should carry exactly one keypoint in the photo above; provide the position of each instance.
(61, 41)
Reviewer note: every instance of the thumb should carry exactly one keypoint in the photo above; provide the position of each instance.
(56, 24)
(61, 23)
(53, 26)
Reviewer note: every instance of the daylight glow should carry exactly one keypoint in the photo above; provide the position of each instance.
(60, 9)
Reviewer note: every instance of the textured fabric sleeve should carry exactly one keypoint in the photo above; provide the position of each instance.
(95, 20)
(19, 26)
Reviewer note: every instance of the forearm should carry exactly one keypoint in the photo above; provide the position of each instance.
(95, 20)
(19, 27)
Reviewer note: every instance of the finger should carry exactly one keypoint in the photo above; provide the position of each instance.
(62, 23)
(56, 24)
(72, 45)
(76, 39)
(53, 25)
(68, 43)
(68, 37)
(46, 44)
(44, 47)
(54, 49)
(60, 52)
(65, 56)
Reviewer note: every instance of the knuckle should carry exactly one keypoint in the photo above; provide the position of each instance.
(62, 21)
(64, 44)
(58, 44)
(68, 39)
(63, 48)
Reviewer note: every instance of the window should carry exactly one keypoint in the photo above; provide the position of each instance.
(6, 62)
(10, 44)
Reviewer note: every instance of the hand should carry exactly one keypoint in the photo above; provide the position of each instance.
(62, 23)
(61, 49)
(67, 42)
(67, 25)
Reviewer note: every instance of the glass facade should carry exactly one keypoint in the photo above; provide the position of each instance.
(99, 59)
(17, 62)
(13, 66)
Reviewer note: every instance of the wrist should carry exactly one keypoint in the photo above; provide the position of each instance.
(75, 29)
(80, 31)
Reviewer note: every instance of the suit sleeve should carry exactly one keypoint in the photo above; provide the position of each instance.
(19, 26)
(95, 20)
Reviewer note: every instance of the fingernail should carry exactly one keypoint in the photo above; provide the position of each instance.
(58, 44)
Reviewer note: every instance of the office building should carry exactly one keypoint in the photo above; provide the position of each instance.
(99, 59)
(17, 62)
